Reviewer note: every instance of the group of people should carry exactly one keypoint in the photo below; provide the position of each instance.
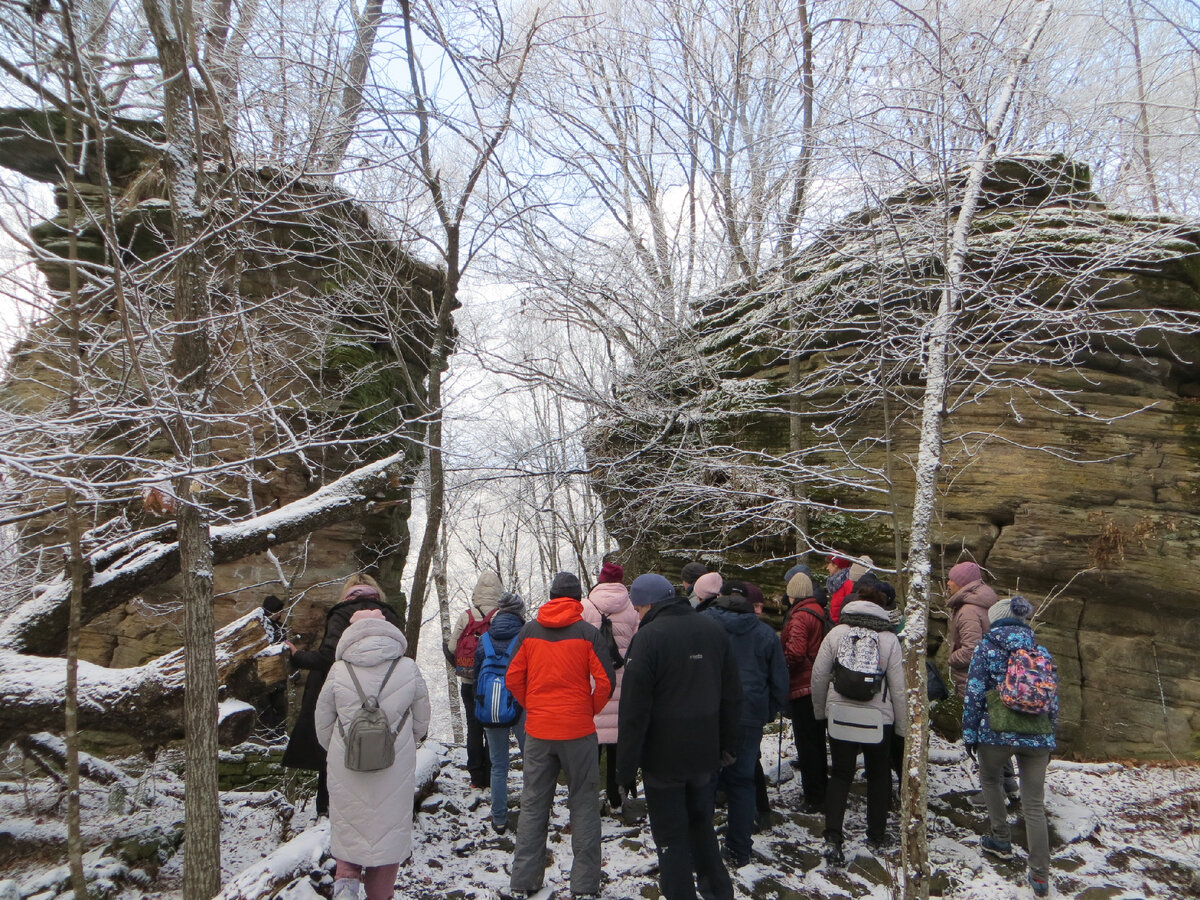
(675, 687)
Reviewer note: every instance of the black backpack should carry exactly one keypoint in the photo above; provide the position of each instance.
(614, 651)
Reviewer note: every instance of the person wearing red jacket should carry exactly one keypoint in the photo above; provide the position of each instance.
(803, 630)
(562, 676)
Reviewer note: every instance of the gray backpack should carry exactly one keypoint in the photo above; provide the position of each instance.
(370, 741)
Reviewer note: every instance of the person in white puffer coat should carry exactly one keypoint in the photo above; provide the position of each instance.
(371, 813)
(611, 598)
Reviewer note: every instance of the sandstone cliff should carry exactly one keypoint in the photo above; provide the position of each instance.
(321, 335)
(1072, 439)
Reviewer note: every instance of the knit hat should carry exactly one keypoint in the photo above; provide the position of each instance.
(611, 572)
(361, 592)
(860, 567)
(511, 603)
(840, 561)
(708, 585)
(798, 567)
(367, 614)
(1015, 608)
(565, 584)
(272, 604)
(799, 586)
(649, 589)
(691, 571)
(965, 573)
(754, 593)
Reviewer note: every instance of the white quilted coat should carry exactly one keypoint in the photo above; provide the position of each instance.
(371, 813)
(612, 599)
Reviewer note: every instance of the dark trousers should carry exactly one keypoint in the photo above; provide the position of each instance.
(810, 748)
(681, 822)
(479, 763)
(877, 761)
(608, 752)
(737, 780)
(323, 790)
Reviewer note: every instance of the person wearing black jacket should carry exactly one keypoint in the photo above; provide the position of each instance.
(678, 721)
(303, 750)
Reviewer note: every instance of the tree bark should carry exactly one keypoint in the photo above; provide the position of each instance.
(914, 842)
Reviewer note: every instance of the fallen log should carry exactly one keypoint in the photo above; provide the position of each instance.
(145, 702)
(113, 574)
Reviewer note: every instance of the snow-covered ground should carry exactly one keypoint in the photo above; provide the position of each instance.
(1119, 832)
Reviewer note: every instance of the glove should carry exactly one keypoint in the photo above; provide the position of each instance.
(971, 751)
(727, 758)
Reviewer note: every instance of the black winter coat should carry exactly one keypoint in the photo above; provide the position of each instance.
(681, 697)
(303, 750)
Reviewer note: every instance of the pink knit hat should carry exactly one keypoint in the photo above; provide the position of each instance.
(965, 573)
(708, 585)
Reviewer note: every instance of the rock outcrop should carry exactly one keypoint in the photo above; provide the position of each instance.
(321, 333)
(1072, 454)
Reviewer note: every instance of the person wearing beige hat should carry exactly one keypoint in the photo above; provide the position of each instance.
(803, 630)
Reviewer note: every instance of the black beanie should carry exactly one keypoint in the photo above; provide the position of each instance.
(566, 585)
(272, 604)
(691, 571)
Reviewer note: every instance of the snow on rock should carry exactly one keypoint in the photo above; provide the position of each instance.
(299, 855)
(227, 708)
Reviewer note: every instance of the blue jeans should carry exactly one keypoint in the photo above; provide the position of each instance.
(737, 780)
(497, 742)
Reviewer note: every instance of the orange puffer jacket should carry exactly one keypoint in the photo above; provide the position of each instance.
(560, 672)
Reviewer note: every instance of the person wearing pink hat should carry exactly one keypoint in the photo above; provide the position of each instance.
(705, 590)
(610, 599)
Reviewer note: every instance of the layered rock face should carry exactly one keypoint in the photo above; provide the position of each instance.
(1072, 431)
(320, 334)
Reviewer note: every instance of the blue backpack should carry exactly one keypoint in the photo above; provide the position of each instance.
(495, 706)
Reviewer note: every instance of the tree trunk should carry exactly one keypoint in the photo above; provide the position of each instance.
(914, 843)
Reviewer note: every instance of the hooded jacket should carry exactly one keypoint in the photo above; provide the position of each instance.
(968, 623)
(303, 749)
(612, 599)
(890, 700)
(988, 666)
(560, 673)
(371, 813)
(680, 704)
(484, 599)
(759, 656)
(803, 632)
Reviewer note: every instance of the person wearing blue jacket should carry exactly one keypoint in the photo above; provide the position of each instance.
(506, 625)
(763, 673)
(1009, 632)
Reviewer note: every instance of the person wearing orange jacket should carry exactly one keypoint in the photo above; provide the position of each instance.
(562, 676)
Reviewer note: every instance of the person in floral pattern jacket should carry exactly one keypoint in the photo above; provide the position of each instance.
(1009, 631)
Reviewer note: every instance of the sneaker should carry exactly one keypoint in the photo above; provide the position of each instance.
(345, 889)
(499, 827)
(834, 855)
(1040, 885)
(997, 848)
